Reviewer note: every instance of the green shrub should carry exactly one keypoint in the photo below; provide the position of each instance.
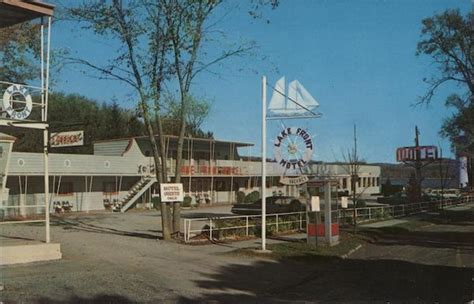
(240, 197)
(187, 201)
(155, 201)
(252, 197)
(296, 206)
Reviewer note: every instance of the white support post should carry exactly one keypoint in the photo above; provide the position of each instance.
(276, 220)
(210, 229)
(46, 183)
(264, 157)
(247, 226)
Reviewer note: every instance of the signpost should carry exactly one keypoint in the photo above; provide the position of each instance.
(297, 103)
(417, 157)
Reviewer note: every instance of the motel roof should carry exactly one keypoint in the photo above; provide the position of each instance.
(14, 11)
(206, 140)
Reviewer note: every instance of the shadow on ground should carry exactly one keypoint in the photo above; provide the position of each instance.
(449, 234)
(100, 299)
(79, 225)
(332, 279)
(433, 239)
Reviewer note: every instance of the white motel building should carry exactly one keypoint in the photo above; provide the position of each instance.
(119, 172)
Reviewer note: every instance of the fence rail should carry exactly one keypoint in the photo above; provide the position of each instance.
(245, 225)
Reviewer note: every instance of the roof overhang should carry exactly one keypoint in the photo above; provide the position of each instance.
(14, 11)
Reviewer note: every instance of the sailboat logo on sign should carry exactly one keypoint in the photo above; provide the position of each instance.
(296, 102)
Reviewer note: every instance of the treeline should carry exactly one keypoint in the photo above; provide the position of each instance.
(71, 112)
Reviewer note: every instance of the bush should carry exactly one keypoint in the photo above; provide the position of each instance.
(252, 197)
(155, 201)
(187, 201)
(296, 206)
(240, 197)
(361, 203)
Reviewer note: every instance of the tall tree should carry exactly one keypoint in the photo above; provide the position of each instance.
(186, 21)
(448, 38)
(139, 63)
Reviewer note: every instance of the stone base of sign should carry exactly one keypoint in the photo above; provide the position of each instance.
(322, 241)
(28, 251)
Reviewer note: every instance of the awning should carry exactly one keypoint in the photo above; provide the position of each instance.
(13, 11)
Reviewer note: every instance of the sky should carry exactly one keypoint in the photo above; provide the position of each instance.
(356, 58)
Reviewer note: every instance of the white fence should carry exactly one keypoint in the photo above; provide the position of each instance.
(248, 225)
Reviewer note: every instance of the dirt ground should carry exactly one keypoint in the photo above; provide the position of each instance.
(117, 258)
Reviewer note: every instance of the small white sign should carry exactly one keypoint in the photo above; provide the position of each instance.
(171, 192)
(315, 205)
(344, 202)
(67, 139)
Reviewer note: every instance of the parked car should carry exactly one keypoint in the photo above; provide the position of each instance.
(275, 204)
(401, 198)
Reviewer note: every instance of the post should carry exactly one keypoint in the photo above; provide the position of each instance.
(46, 183)
(301, 221)
(276, 222)
(247, 226)
(264, 157)
(210, 229)
(327, 212)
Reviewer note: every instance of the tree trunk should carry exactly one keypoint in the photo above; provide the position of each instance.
(165, 215)
(179, 160)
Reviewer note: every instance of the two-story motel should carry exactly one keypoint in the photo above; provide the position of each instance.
(120, 171)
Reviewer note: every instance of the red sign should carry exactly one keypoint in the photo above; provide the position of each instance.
(206, 170)
(67, 139)
(417, 153)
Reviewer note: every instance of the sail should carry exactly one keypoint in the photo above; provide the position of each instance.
(277, 103)
(299, 99)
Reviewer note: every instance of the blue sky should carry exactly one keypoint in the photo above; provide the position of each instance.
(357, 58)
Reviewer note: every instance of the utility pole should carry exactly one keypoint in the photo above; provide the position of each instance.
(418, 164)
(353, 166)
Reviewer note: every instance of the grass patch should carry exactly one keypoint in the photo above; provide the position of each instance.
(302, 250)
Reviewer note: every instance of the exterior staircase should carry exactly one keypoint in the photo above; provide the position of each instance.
(136, 192)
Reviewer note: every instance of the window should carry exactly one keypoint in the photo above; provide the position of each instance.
(364, 182)
(378, 181)
(344, 183)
